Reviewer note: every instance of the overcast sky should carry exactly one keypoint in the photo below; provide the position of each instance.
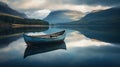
(45, 6)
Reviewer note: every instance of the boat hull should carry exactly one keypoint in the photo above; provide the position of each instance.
(37, 40)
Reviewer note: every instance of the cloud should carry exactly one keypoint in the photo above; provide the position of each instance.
(40, 14)
(25, 5)
(54, 7)
(74, 15)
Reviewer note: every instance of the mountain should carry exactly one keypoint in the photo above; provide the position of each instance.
(104, 17)
(4, 8)
(9, 17)
(63, 16)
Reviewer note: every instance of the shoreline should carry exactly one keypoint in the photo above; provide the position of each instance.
(26, 25)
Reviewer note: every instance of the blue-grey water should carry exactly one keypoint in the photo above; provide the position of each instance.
(84, 47)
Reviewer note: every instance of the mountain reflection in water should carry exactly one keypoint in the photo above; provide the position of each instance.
(105, 33)
(11, 31)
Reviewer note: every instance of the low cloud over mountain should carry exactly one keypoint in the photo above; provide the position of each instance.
(63, 16)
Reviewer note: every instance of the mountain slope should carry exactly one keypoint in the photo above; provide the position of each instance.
(4, 8)
(8, 16)
(105, 17)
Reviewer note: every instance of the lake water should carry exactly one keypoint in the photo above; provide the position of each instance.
(83, 47)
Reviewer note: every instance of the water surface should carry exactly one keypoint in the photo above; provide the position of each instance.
(83, 47)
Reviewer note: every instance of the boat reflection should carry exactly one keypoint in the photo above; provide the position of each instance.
(33, 49)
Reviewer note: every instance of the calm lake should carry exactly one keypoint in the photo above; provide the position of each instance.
(83, 47)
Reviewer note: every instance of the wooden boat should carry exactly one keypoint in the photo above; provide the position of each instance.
(55, 37)
(43, 48)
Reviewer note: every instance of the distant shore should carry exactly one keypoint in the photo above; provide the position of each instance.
(26, 25)
(21, 25)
